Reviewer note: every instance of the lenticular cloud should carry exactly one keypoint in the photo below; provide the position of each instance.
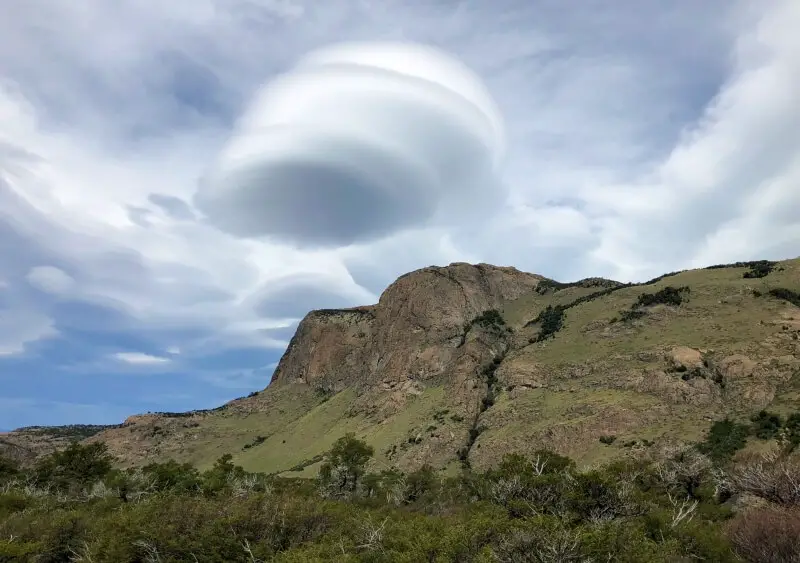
(356, 142)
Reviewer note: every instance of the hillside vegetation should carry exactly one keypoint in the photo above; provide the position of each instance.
(692, 504)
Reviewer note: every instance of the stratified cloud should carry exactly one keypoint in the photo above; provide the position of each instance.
(173, 206)
(139, 358)
(291, 297)
(21, 326)
(356, 142)
(51, 280)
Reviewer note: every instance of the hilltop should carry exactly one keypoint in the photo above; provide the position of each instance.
(457, 365)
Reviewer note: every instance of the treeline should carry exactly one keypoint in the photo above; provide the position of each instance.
(75, 506)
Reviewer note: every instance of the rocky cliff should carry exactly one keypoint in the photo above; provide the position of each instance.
(418, 333)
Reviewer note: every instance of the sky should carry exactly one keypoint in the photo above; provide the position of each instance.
(145, 267)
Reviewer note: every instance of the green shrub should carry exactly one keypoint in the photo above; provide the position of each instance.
(759, 269)
(667, 296)
(725, 438)
(488, 319)
(76, 466)
(786, 294)
(551, 319)
(766, 425)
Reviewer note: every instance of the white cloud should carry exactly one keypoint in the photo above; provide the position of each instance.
(50, 279)
(138, 358)
(624, 157)
(357, 142)
(20, 327)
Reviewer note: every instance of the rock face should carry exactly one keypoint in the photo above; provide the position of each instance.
(415, 334)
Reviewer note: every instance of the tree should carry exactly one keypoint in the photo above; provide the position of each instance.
(78, 464)
(344, 466)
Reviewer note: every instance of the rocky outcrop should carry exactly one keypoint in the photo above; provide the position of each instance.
(416, 332)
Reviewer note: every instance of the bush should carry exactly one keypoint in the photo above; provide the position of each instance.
(787, 295)
(528, 508)
(488, 319)
(766, 425)
(9, 469)
(773, 476)
(551, 319)
(792, 430)
(667, 296)
(76, 466)
(768, 534)
(724, 439)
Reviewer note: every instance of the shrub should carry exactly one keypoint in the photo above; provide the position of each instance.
(77, 465)
(786, 294)
(666, 296)
(631, 315)
(9, 468)
(768, 534)
(766, 425)
(773, 476)
(792, 430)
(488, 319)
(725, 438)
(551, 319)
(173, 476)
(759, 269)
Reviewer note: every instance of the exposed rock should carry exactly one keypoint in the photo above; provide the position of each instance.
(682, 358)
(415, 333)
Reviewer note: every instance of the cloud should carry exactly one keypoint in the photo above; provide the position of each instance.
(138, 358)
(291, 297)
(19, 327)
(356, 142)
(642, 137)
(50, 279)
(173, 206)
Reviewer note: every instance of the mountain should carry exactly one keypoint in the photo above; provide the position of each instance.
(458, 365)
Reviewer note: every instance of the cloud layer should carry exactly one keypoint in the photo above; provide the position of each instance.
(356, 142)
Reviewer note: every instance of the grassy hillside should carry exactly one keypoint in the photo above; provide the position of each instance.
(584, 362)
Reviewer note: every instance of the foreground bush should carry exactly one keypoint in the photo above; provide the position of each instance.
(767, 534)
(73, 506)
